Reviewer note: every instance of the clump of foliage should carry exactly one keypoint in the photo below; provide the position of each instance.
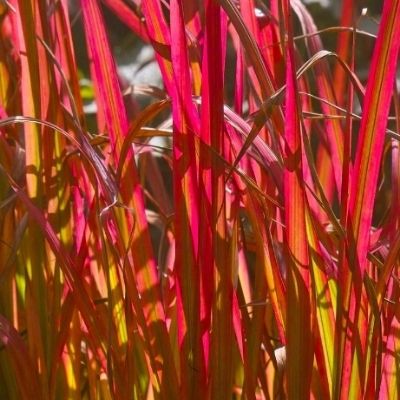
(249, 255)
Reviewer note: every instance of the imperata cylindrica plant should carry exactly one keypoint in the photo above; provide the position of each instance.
(199, 199)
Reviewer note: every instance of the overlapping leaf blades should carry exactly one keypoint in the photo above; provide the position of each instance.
(246, 256)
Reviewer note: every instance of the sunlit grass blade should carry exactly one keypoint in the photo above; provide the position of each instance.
(186, 195)
(129, 17)
(369, 150)
(332, 126)
(34, 78)
(299, 315)
(344, 49)
(213, 133)
(324, 302)
(375, 110)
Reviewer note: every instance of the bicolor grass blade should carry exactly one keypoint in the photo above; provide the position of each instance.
(299, 319)
(375, 110)
(212, 119)
(185, 124)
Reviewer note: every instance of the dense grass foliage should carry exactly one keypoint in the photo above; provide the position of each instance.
(235, 235)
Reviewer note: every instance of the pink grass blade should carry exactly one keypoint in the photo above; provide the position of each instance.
(269, 158)
(299, 336)
(247, 8)
(343, 266)
(105, 75)
(259, 74)
(206, 231)
(273, 53)
(213, 133)
(67, 78)
(257, 291)
(325, 89)
(160, 38)
(343, 49)
(192, 11)
(35, 103)
(251, 47)
(186, 121)
(128, 17)
(373, 127)
(364, 181)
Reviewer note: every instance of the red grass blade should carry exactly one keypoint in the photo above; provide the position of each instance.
(213, 134)
(186, 196)
(128, 17)
(299, 336)
(372, 134)
(325, 89)
(369, 150)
